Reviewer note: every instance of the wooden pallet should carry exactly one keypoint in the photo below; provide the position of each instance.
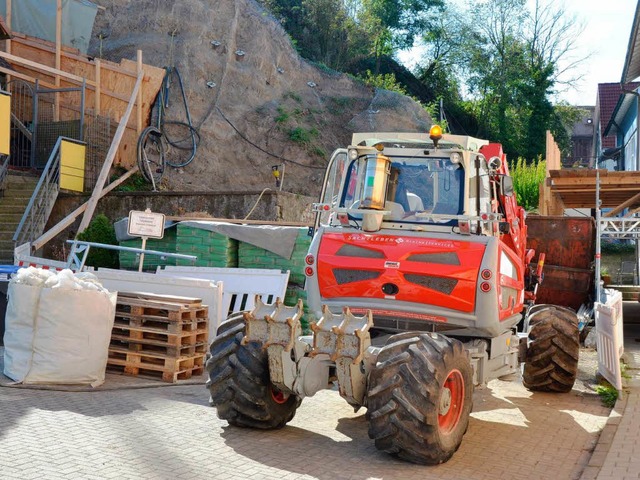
(152, 363)
(159, 336)
(151, 345)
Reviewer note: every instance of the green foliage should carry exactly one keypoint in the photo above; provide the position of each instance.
(100, 230)
(617, 247)
(608, 394)
(283, 115)
(386, 81)
(526, 181)
(135, 183)
(303, 135)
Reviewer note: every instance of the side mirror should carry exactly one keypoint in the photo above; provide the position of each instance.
(506, 186)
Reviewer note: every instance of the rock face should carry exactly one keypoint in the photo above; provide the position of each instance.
(253, 100)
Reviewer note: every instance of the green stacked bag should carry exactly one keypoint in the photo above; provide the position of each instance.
(131, 260)
(212, 249)
(293, 293)
(250, 256)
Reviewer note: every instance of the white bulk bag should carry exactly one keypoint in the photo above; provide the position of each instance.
(22, 310)
(59, 334)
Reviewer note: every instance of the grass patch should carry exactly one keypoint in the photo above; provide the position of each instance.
(135, 183)
(283, 115)
(303, 135)
(608, 394)
(293, 96)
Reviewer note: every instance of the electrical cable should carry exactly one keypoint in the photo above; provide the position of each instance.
(150, 155)
(262, 149)
(193, 136)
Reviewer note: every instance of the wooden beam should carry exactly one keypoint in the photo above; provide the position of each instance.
(98, 86)
(111, 155)
(8, 22)
(21, 126)
(44, 68)
(69, 219)
(56, 101)
(139, 101)
(633, 200)
(183, 218)
(46, 47)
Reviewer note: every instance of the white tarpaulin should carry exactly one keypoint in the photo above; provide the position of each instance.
(37, 18)
(58, 328)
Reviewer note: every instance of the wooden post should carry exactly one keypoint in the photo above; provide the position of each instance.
(111, 155)
(56, 107)
(139, 100)
(8, 41)
(98, 87)
(8, 20)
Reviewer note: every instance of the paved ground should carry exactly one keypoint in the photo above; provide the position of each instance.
(617, 454)
(171, 433)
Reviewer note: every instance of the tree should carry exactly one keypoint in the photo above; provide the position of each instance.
(513, 61)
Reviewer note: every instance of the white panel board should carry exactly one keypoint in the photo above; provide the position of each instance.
(241, 285)
(610, 338)
(128, 281)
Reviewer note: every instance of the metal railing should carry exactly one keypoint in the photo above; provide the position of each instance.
(4, 169)
(41, 203)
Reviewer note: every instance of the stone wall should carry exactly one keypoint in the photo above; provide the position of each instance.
(271, 207)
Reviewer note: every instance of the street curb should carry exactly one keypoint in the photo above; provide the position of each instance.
(605, 439)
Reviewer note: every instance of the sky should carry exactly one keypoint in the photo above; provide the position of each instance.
(605, 38)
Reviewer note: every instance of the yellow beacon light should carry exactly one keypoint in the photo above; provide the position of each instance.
(435, 134)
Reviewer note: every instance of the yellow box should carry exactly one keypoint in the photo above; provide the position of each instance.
(5, 122)
(72, 160)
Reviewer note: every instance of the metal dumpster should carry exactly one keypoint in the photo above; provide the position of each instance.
(569, 244)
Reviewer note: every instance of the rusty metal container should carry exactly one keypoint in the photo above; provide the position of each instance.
(569, 244)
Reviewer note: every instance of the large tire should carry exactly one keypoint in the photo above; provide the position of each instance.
(419, 397)
(239, 382)
(551, 364)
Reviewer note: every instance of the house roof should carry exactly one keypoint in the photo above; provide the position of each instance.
(5, 33)
(621, 98)
(631, 69)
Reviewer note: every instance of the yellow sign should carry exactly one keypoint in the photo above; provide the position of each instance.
(5, 122)
(72, 158)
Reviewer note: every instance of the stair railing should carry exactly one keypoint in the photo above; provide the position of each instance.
(4, 168)
(41, 203)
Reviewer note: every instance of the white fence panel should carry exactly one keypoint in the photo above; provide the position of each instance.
(241, 285)
(129, 281)
(610, 338)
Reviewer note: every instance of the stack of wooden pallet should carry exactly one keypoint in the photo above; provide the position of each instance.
(161, 336)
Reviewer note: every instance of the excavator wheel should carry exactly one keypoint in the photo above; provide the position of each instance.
(239, 382)
(551, 364)
(419, 397)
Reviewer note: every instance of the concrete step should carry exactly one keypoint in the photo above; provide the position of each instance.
(14, 200)
(12, 210)
(10, 217)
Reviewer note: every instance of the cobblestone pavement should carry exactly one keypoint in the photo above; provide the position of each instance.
(172, 433)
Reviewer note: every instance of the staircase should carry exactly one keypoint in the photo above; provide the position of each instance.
(19, 187)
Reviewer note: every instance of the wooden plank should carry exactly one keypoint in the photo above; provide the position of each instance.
(185, 218)
(56, 101)
(139, 101)
(113, 149)
(98, 86)
(191, 301)
(44, 68)
(8, 22)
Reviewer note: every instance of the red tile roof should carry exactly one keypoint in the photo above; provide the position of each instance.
(608, 96)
